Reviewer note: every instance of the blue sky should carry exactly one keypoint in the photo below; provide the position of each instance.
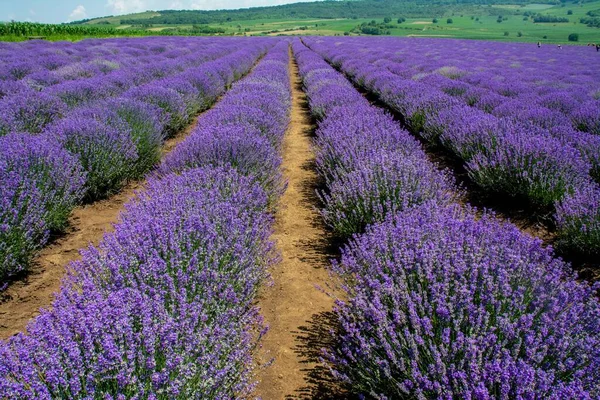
(69, 10)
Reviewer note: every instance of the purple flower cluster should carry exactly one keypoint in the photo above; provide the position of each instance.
(371, 167)
(524, 126)
(105, 150)
(578, 220)
(444, 304)
(41, 182)
(164, 307)
(439, 301)
(109, 104)
(245, 129)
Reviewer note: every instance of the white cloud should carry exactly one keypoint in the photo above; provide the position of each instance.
(176, 5)
(78, 13)
(118, 7)
(229, 4)
(200, 4)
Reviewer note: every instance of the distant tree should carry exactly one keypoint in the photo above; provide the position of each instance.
(346, 33)
(449, 21)
(520, 34)
(435, 21)
(549, 18)
(525, 18)
(545, 37)
(387, 20)
(472, 17)
(506, 33)
(401, 20)
(574, 37)
(570, 12)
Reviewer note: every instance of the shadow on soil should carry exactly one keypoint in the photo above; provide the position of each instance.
(316, 335)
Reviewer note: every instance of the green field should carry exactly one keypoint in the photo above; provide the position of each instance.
(474, 26)
(472, 21)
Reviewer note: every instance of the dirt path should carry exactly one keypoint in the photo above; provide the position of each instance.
(22, 300)
(295, 310)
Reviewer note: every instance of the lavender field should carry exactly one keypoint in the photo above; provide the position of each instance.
(430, 297)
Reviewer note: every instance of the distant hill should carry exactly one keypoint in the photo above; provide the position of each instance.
(329, 9)
(545, 21)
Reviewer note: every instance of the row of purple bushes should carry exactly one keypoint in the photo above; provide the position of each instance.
(527, 130)
(438, 301)
(164, 307)
(91, 150)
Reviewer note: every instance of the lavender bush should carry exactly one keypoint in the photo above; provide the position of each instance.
(76, 94)
(578, 221)
(169, 100)
(439, 301)
(539, 169)
(146, 129)
(105, 152)
(350, 134)
(242, 137)
(382, 184)
(523, 126)
(237, 147)
(29, 111)
(442, 304)
(162, 309)
(371, 167)
(41, 184)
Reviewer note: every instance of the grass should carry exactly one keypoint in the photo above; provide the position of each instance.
(482, 26)
(479, 23)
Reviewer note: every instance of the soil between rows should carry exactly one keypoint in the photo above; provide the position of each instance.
(296, 308)
(22, 300)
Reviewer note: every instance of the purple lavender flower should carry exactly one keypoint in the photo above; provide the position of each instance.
(578, 221)
(239, 147)
(105, 152)
(443, 304)
(29, 111)
(539, 169)
(146, 127)
(41, 184)
(163, 307)
(586, 117)
(382, 184)
(167, 99)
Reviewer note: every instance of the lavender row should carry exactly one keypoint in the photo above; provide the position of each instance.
(245, 129)
(547, 87)
(548, 167)
(29, 102)
(371, 167)
(93, 151)
(164, 307)
(526, 99)
(439, 302)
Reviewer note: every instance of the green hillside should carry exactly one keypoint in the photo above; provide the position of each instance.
(551, 21)
(521, 20)
(331, 9)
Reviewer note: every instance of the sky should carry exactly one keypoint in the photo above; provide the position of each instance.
(55, 11)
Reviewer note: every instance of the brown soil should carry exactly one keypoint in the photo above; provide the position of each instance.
(22, 300)
(297, 312)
